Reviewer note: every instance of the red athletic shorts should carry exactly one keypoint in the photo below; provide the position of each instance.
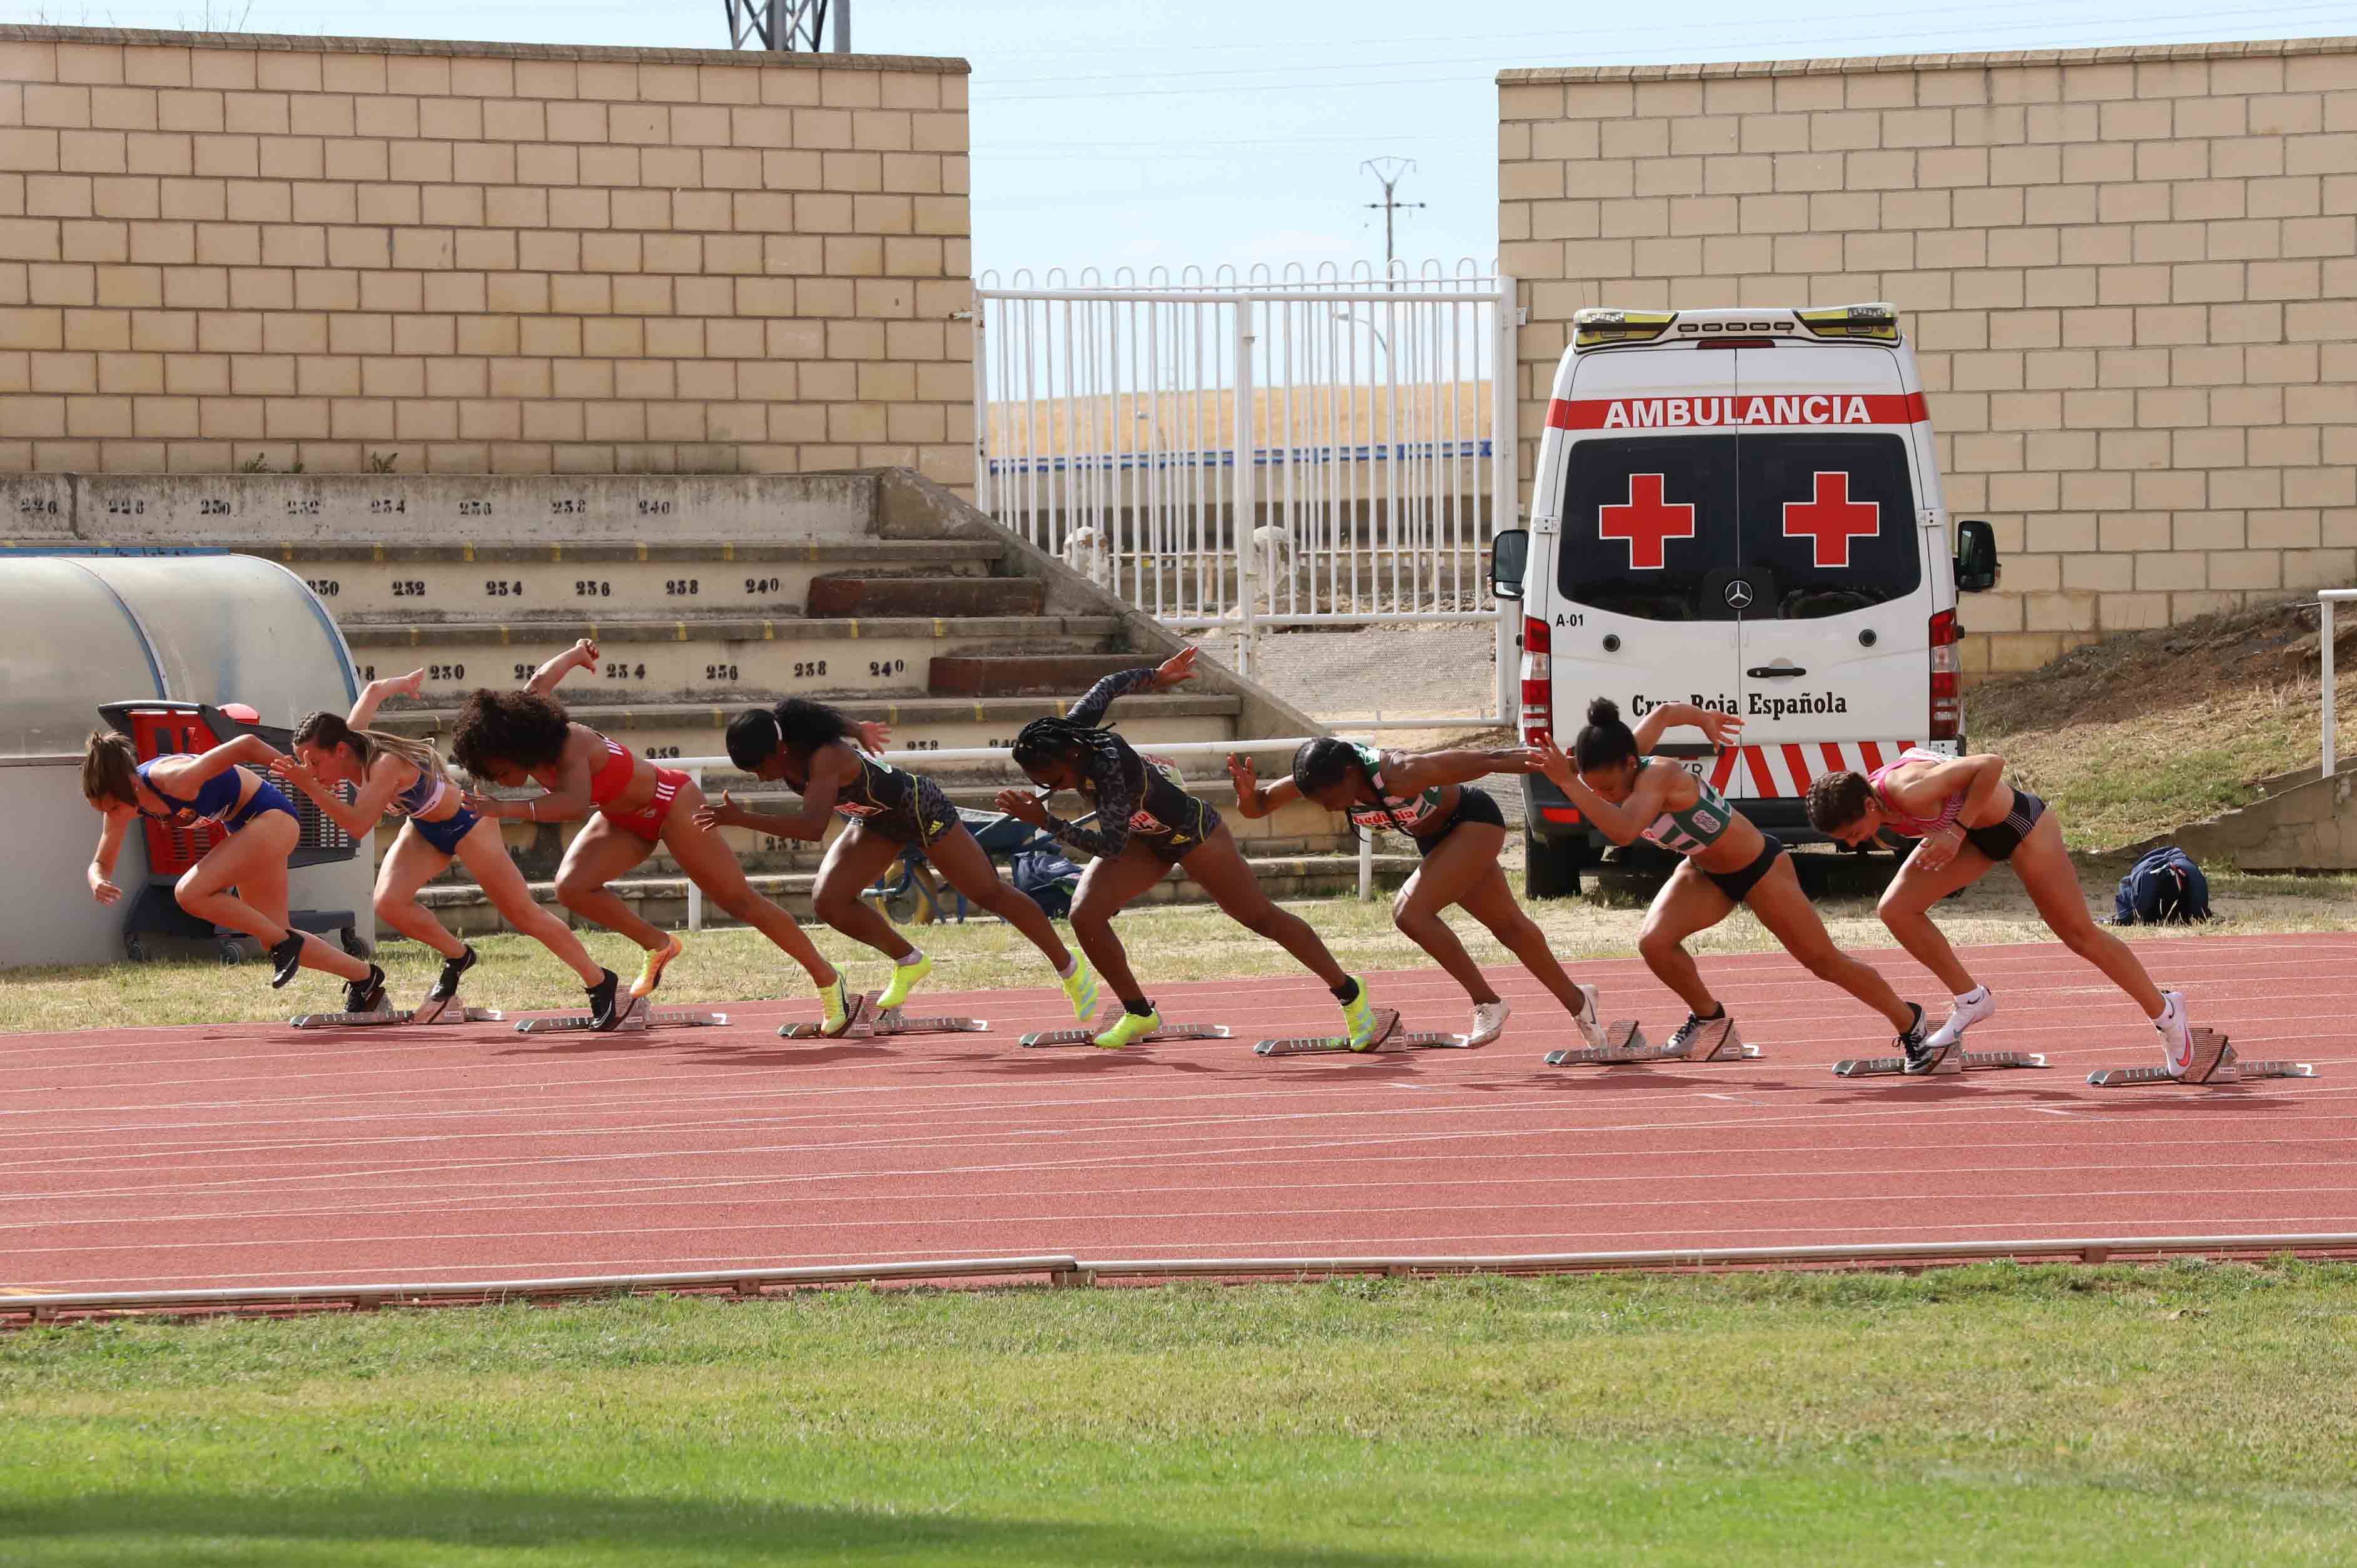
(648, 820)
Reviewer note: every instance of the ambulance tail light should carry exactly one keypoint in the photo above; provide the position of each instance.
(1595, 326)
(1538, 681)
(1947, 704)
(1876, 323)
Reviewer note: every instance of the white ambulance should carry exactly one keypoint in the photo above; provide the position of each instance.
(1740, 509)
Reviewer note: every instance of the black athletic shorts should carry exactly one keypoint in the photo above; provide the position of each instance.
(1172, 844)
(1472, 806)
(918, 819)
(1999, 839)
(1738, 884)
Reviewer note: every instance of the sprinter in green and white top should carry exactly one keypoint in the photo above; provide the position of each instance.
(1629, 794)
(1458, 830)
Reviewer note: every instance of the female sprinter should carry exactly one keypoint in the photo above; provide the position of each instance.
(1457, 831)
(1146, 825)
(1969, 818)
(262, 829)
(631, 806)
(1728, 861)
(392, 773)
(810, 747)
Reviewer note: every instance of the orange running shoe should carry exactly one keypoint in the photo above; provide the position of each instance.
(651, 971)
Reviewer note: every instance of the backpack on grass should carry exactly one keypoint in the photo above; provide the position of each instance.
(2163, 888)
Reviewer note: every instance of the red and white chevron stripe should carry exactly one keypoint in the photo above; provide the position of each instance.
(1757, 772)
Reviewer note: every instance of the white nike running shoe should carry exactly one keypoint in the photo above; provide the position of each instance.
(1963, 1013)
(1588, 1018)
(1489, 1022)
(2176, 1034)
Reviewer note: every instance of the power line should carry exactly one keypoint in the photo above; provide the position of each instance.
(1389, 172)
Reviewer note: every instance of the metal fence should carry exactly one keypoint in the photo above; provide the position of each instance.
(1244, 452)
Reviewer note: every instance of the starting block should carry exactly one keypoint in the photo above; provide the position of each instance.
(1167, 1032)
(2230, 1069)
(1624, 1042)
(1955, 1061)
(1389, 1037)
(429, 1011)
(869, 1022)
(637, 1018)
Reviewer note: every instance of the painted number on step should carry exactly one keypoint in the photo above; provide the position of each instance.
(474, 508)
(655, 509)
(662, 751)
(47, 506)
(809, 669)
(326, 587)
(682, 588)
(626, 672)
(499, 588)
(207, 507)
(761, 585)
(126, 507)
(589, 588)
(570, 506)
(446, 672)
(408, 588)
(388, 506)
(921, 745)
(302, 508)
(524, 671)
(720, 672)
(880, 667)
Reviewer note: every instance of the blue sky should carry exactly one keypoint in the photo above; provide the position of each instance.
(1139, 133)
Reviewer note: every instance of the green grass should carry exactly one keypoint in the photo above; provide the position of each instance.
(1992, 1415)
(1168, 945)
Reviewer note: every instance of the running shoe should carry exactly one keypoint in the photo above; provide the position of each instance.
(1359, 1019)
(651, 971)
(446, 988)
(836, 1000)
(365, 995)
(1921, 1055)
(1679, 1042)
(2178, 1047)
(1590, 1017)
(1489, 1022)
(1129, 1027)
(285, 959)
(603, 1014)
(905, 978)
(1969, 1009)
(1080, 989)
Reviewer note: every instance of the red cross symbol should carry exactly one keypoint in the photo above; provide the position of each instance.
(1647, 521)
(1832, 519)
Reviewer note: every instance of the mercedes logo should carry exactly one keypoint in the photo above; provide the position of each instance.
(1738, 595)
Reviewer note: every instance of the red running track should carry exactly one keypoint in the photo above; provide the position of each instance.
(255, 1155)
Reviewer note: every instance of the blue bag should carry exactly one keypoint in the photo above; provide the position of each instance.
(1048, 878)
(2163, 888)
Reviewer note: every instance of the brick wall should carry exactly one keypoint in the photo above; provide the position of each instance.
(480, 256)
(2130, 277)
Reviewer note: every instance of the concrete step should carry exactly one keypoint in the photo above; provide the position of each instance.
(416, 583)
(1295, 830)
(721, 658)
(662, 900)
(935, 596)
(666, 730)
(1001, 674)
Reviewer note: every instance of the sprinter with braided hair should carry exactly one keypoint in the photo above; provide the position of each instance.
(1147, 824)
(391, 773)
(823, 754)
(1457, 831)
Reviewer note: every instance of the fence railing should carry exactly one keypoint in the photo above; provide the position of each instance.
(2325, 600)
(1237, 452)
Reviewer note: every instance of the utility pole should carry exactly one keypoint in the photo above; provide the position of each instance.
(1390, 172)
(788, 26)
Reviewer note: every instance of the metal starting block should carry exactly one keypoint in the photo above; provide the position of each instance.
(1955, 1061)
(1389, 1037)
(451, 1012)
(869, 1022)
(1716, 1041)
(637, 1018)
(1167, 1032)
(2230, 1069)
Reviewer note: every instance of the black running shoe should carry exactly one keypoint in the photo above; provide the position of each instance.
(365, 995)
(1921, 1056)
(603, 1014)
(1680, 1041)
(286, 960)
(452, 969)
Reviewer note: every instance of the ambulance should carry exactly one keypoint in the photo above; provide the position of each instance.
(1738, 509)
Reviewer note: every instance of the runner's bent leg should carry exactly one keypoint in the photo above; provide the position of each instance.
(1786, 911)
(1454, 869)
(711, 865)
(1905, 909)
(1222, 870)
(1106, 888)
(967, 868)
(2052, 883)
(484, 854)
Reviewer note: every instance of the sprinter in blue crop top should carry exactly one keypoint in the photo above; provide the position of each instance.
(241, 883)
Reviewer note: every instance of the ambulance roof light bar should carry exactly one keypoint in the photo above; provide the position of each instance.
(1597, 327)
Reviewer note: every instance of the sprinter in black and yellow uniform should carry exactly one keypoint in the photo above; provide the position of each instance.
(1147, 824)
(810, 747)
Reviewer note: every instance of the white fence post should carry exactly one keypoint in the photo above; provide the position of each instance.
(1245, 441)
(1505, 484)
(2330, 694)
(984, 496)
(695, 892)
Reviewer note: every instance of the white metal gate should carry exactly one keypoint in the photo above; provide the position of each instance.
(1244, 453)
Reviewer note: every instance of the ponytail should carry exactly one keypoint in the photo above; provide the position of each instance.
(330, 730)
(110, 768)
(1605, 741)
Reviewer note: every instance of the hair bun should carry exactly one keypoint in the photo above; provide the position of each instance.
(1603, 711)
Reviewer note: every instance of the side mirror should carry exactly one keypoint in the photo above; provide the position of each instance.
(1510, 556)
(1976, 565)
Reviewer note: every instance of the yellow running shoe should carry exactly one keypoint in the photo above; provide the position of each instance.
(1128, 1027)
(1081, 989)
(836, 1000)
(651, 971)
(1359, 1018)
(905, 977)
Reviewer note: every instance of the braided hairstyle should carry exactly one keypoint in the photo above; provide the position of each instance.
(1044, 740)
(1325, 762)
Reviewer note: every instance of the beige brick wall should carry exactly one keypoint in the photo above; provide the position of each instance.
(2130, 277)
(482, 257)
